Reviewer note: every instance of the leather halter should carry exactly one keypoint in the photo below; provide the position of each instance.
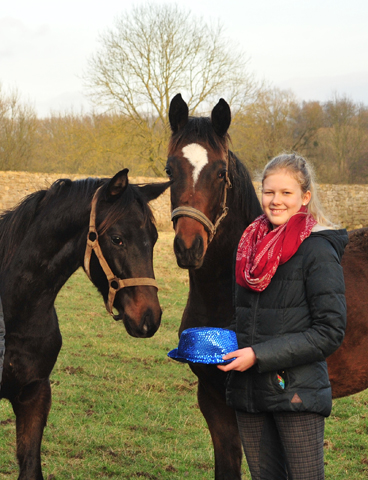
(187, 211)
(115, 283)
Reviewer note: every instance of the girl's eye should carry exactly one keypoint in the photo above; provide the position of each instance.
(116, 240)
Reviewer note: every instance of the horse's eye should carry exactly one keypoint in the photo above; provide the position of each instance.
(168, 172)
(222, 174)
(116, 240)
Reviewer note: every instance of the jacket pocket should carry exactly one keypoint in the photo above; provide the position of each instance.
(271, 383)
(281, 379)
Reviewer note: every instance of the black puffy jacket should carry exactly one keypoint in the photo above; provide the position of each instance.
(2, 341)
(292, 326)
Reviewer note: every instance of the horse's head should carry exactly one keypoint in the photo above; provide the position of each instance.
(126, 237)
(198, 169)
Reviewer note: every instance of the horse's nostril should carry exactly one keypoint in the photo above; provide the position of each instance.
(198, 245)
(149, 325)
(179, 246)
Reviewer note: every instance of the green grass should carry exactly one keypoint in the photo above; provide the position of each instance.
(123, 410)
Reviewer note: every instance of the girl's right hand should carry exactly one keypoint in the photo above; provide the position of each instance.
(244, 359)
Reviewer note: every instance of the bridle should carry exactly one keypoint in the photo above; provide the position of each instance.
(187, 211)
(115, 283)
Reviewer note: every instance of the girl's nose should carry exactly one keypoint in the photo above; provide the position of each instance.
(276, 200)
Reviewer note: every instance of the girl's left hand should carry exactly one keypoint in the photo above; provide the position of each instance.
(245, 358)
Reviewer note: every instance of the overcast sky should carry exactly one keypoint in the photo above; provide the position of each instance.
(315, 47)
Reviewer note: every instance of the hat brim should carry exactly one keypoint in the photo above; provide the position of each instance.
(213, 360)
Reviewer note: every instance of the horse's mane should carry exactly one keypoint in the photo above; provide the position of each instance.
(16, 222)
(245, 198)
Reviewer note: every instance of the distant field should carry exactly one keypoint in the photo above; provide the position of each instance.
(123, 410)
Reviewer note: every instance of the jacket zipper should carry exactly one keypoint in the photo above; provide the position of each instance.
(254, 319)
(251, 342)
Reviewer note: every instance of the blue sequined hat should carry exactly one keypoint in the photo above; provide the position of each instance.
(205, 345)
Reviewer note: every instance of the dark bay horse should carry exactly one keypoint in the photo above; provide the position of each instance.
(42, 243)
(209, 218)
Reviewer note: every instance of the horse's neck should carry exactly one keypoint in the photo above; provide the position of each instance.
(210, 287)
(210, 299)
(48, 255)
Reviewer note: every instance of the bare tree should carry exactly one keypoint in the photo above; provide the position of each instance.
(155, 51)
(346, 135)
(17, 131)
(265, 128)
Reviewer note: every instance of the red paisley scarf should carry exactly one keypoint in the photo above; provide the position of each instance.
(261, 250)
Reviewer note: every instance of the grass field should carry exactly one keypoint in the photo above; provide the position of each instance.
(123, 410)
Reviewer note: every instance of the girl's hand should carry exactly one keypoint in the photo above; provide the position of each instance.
(245, 358)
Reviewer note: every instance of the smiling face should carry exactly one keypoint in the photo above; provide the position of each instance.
(282, 197)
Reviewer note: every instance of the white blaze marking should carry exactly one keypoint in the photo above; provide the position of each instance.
(197, 156)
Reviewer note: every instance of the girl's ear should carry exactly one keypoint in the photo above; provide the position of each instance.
(306, 198)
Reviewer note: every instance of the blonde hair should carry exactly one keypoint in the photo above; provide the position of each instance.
(303, 173)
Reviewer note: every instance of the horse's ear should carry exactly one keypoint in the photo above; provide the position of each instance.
(151, 191)
(178, 113)
(117, 185)
(221, 117)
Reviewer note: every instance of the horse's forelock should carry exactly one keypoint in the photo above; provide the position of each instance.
(118, 208)
(198, 130)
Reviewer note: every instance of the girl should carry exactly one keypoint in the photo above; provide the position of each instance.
(290, 315)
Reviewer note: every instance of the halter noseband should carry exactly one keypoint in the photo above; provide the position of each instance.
(186, 211)
(115, 283)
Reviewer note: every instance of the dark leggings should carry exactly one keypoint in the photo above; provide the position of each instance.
(283, 445)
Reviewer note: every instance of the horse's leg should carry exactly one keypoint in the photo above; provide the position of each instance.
(221, 421)
(31, 408)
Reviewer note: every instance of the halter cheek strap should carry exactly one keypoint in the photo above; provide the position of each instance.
(187, 211)
(115, 283)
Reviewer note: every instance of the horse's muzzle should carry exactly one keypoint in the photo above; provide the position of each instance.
(146, 328)
(191, 257)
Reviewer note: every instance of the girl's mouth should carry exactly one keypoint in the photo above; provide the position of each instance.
(277, 212)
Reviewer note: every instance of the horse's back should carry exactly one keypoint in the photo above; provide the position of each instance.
(348, 365)
(355, 266)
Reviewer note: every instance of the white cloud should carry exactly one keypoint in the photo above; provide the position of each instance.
(17, 39)
(353, 85)
(311, 47)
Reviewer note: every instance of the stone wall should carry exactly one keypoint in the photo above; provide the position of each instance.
(16, 185)
(346, 205)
